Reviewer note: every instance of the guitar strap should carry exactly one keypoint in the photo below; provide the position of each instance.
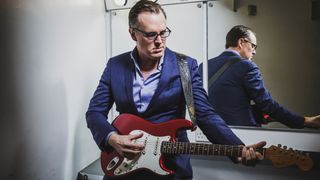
(225, 66)
(186, 85)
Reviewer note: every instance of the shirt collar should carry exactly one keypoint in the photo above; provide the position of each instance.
(233, 51)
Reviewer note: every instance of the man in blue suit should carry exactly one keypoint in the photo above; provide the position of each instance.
(231, 93)
(146, 82)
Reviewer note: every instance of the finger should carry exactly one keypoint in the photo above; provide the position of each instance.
(244, 150)
(259, 156)
(248, 157)
(252, 153)
(135, 136)
(130, 154)
(135, 145)
(259, 144)
(131, 151)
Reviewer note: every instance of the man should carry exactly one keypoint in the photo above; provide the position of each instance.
(146, 83)
(231, 93)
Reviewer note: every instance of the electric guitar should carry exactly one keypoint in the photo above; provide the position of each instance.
(159, 139)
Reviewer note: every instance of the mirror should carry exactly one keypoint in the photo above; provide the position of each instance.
(288, 47)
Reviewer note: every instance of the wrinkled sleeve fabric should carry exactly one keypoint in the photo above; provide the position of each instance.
(254, 85)
(99, 107)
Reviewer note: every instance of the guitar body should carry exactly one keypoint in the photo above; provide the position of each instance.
(151, 159)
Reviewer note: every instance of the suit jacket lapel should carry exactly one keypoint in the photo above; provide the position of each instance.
(129, 84)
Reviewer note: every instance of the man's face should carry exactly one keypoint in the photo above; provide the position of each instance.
(249, 46)
(150, 48)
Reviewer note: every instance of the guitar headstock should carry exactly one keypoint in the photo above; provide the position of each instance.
(283, 157)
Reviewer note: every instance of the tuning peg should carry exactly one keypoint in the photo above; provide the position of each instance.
(279, 145)
(284, 147)
(290, 149)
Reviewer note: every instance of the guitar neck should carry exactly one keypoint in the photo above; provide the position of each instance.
(168, 147)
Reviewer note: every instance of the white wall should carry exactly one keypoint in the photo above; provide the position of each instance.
(52, 55)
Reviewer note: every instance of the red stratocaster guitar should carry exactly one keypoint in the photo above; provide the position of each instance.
(159, 139)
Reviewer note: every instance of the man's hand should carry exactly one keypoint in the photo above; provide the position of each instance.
(124, 146)
(312, 121)
(250, 156)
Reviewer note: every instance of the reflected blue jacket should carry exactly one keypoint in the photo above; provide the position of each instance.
(240, 83)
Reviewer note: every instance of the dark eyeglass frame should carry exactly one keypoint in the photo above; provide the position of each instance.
(254, 46)
(154, 35)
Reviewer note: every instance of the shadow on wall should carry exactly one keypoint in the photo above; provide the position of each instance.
(34, 116)
(10, 116)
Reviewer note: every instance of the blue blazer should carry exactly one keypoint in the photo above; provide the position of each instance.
(242, 82)
(116, 86)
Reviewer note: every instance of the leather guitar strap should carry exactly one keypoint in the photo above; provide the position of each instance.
(186, 85)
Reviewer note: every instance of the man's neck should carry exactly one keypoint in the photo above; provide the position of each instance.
(233, 49)
(147, 66)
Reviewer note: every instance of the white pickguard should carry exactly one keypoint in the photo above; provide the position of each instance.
(149, 158)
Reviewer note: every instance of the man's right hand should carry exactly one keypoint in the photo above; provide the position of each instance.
(124, 146)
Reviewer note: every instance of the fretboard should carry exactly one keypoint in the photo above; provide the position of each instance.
(168, 147)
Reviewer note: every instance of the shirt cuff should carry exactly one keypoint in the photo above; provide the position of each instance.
(108, 137)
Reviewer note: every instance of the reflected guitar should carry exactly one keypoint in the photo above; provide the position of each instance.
(159, 139)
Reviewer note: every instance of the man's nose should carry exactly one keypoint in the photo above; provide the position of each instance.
(254, 52)
(158, 39)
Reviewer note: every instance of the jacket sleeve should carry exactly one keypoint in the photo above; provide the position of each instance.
(212, 125)
(254, 85)
(99, 107)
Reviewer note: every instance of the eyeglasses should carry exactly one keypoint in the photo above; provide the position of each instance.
(154, 35)
(254, 46)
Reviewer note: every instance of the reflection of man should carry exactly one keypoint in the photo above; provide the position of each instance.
(146, 82)
(231, 93)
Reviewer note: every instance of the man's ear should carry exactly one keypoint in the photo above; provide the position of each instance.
(240, 42)
(132, 34)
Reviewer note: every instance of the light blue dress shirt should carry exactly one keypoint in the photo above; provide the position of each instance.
(144, 89)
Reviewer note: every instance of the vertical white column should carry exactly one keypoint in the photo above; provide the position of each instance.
(205, 46)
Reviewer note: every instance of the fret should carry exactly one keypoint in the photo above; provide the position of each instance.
(216, 151)
(193, 148)
(228, 150)
(163, 147)
(211, 150)
(207, 149)
(231, 151)
(181, 147)
(198, 148)
(202, 148)
(186, 148)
